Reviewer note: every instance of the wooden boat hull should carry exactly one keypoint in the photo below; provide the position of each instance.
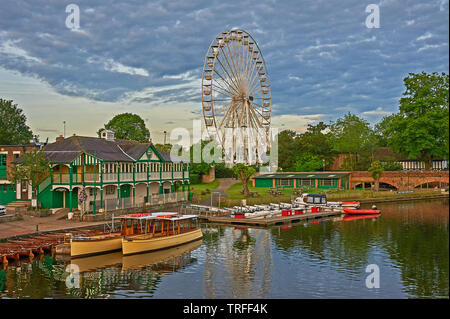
(352, 211)
(95, 245)
(145, 243)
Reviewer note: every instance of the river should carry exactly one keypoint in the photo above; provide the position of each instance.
(402, 254)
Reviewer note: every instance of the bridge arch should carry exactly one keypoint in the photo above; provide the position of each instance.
(389, 182)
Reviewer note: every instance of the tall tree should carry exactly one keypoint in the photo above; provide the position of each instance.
(314, 148)
(286, 150)
(128, 126)
(354, 136)
(421, 128)
(13, 127)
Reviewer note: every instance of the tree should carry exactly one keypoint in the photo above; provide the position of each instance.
(421, 128)
(287, 150)
(33, 169)
(354, 136)
(164, 147)
(375, 171)
(128, 126)
(244, 173)
(14, 130)
(308, 162)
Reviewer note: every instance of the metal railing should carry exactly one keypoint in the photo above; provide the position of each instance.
(128, 202)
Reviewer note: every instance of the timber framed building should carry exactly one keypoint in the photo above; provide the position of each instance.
(111, 172)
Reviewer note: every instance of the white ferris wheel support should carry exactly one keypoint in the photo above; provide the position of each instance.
(236, 93)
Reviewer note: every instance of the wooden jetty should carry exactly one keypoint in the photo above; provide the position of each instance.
(270, 221)
(29, 246)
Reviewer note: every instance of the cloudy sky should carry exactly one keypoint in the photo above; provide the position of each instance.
(146, 57)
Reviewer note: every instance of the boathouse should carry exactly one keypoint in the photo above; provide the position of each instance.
(108, 171)
(322, 180)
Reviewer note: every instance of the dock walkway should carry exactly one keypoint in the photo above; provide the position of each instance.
(270, 221)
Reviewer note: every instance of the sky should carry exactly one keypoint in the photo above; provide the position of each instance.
(146, 57)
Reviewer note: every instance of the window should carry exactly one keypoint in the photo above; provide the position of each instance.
(327, 182)
(285, 182)
(306, 182)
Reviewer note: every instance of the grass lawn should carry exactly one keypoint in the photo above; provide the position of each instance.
(199, 188)
(263, 196)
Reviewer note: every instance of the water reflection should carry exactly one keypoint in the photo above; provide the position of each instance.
(99, 275)
(326, 259)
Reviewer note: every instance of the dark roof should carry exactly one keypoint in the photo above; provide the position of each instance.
(171, 158)
(67, 150)
(305, 175)
(134, 150)
(99, 147)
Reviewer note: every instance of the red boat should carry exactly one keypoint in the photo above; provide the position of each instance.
(352, 211)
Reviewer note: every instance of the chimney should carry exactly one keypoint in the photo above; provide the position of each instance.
(107, 135)
(59, 138)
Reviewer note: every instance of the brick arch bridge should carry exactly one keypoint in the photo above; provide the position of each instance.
(402, 180)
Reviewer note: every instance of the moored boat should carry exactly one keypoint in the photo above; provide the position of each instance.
(84, 246)
(160, 231)
(89, 245)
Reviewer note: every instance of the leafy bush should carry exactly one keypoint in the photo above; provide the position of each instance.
(222, 171)
(195, 178)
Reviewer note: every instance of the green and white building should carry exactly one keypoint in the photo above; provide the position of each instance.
(113, 173)
(321, 180)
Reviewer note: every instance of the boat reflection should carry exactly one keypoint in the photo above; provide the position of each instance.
(175, 254)
(93, 263)
(348, 218)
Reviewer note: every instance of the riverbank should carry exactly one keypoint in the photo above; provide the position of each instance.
(261, 195)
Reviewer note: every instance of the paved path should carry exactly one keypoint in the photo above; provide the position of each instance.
(50, 223)
(224, 184)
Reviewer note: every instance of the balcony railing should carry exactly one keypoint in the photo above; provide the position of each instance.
(64, 178)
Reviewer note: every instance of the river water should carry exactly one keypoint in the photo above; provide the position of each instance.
(407, 247)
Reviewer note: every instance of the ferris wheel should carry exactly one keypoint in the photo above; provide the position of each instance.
(235, 88)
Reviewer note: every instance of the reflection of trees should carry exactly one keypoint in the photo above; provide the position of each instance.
(418, 240)
(415, 236)
(247, 257)
(40, 279)
(347, 245)
(251, 262)
(211, 241)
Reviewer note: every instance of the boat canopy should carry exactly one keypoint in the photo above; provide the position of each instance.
(160, 215)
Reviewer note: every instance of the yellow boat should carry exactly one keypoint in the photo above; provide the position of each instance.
(85, 246)
(94, 245)
(161, 231)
